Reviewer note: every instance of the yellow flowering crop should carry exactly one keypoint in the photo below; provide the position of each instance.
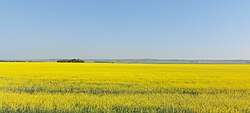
(89, 87)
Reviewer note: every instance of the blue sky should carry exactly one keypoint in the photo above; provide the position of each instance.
(179, 29)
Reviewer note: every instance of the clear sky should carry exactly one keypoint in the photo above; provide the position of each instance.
(179, 29)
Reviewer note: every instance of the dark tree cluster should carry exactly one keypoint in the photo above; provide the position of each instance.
(76, 60)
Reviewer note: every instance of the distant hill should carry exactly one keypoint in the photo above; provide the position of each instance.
(170, 61)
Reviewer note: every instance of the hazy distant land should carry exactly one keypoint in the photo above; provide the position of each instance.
(143, 61)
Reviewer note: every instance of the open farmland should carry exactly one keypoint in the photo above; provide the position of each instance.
(89, 87)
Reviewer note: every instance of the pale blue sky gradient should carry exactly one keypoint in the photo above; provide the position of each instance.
(179, 29)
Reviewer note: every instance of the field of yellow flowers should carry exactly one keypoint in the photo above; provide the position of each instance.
(89, 87)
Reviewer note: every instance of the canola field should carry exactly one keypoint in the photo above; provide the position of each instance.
(89, 87)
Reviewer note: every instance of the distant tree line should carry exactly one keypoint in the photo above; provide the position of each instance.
(76, 60)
